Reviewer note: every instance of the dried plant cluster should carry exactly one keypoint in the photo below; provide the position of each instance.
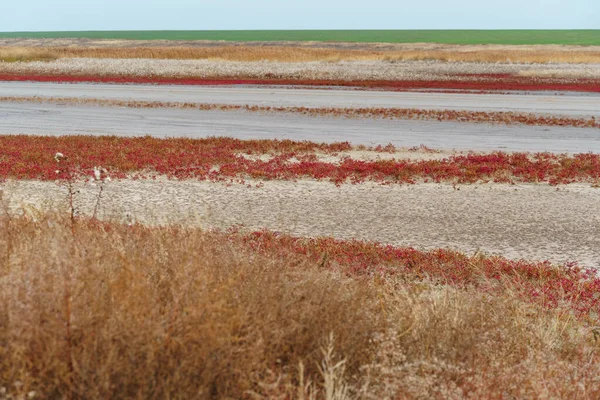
(101, 310)
(226, 159)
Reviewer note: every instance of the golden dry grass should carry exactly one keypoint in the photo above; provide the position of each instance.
(135, 313)
(306, 54)
(113, 311)
(24, 54)
(500, 56)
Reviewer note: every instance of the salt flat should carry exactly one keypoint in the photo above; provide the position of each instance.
(568, 105)
(52, 119)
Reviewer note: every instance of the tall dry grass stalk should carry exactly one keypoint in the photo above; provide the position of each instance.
(305, 54)
(116, 311)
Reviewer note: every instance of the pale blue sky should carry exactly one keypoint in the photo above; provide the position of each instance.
(61, 15)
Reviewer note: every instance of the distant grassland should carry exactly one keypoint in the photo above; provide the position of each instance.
(567, 37)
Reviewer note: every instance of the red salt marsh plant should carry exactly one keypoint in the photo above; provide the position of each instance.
(225, 159)
(482, 83)
(569, 287)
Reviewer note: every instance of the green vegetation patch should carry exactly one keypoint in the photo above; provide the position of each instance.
(570, 37)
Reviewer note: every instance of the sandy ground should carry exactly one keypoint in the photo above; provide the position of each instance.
(522, 221)
(571, 105)
(51, 119)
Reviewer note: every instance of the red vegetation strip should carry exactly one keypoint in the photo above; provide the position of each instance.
(498, 117)
(568, 286)
(32, 157)
(484, 83)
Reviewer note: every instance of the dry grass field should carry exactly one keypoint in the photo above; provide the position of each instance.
(431, 74)
(386, 73)
(286, 52)
(103, 310)
(369, 65)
